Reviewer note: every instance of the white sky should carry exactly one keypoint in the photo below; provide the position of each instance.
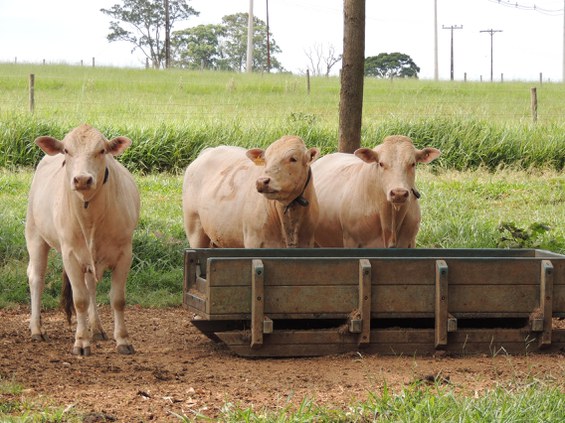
(69, 31)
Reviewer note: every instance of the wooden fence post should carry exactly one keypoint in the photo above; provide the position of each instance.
(31, 92)
(534, 103)
(93, 62)
(308, 80)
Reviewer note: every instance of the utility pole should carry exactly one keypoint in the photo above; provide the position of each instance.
(436, 71)
(491, 32)
(452, 27)
(250, 38)
(167, 36)
(268, 40)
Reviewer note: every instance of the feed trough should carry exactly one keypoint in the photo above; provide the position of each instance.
(308, 302)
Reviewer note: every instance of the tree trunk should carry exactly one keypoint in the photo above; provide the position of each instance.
(352, 72)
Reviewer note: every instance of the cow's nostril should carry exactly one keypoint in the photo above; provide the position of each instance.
(264, 181)
(399, 194)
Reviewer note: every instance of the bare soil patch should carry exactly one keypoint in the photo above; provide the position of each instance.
(178, 370)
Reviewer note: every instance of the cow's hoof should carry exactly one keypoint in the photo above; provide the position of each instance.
(126, 349)
(100, 336)
(85, 352)
(39, 337)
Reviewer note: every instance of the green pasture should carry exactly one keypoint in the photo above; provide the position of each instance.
(499, 183)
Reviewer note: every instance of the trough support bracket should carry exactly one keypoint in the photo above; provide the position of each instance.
(258, 322)
(546, 301)
(443, 320)
(365, 301)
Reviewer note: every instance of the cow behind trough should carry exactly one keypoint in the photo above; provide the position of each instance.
(369, 199)
(255, 198)
(84, 204)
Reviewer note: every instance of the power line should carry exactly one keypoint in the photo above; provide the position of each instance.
(534, 7)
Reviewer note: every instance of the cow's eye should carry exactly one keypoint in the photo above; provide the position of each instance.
(65, 151)
(381, 164)
(102, 152)
(414, 164)
(293, 160)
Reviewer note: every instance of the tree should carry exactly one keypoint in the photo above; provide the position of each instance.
(322, 60)
(391, 65)
(143, 24)
(198, 47)
(234, 44)
(351, 90)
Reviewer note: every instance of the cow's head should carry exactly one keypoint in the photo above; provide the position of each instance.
(286, 168)
(85, 150)
(395, 161)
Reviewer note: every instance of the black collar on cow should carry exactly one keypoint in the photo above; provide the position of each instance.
(300, 200)
(416, 193)
(106, 175)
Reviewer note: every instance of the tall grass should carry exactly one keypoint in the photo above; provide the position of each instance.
(172, 115)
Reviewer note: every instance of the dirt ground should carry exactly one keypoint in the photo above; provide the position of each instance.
(177, 370)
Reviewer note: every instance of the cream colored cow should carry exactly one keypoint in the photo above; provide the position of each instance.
(85, 205)
(369, 198)
(234, 197)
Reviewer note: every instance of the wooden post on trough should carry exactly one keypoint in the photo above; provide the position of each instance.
(31, 92)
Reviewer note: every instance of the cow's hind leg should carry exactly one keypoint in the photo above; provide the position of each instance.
(38, 251)
(118, 301)
(197, 237)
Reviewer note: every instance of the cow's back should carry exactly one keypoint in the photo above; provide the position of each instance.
(215, 189)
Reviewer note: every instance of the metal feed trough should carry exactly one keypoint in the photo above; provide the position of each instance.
(307, 302)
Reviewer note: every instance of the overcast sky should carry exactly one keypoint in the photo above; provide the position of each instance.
(530, 42)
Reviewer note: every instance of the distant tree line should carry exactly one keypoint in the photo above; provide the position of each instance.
(147, 25)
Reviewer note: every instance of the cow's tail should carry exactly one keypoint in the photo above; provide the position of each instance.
(67, 297)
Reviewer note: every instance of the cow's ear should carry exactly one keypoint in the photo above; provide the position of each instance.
(427, 154)
(118, 145)
(50, 145)
(313, 153)
(367, 155)
(257, 156)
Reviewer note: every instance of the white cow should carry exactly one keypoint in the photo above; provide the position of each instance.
(369, 199)
(234, 197)
(84, 204)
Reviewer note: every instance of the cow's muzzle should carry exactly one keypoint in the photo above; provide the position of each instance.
(83, 182)
(263, 186)
(398, 195)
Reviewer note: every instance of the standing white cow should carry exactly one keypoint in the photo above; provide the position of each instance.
(84, 204)
(234, 197)
(369, 199)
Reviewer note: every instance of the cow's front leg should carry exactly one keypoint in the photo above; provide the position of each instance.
(81, 299)
(38, 253)
(96, 329)
(118, 301)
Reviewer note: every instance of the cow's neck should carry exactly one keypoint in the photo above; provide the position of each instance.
(300, 199)
(392, 219)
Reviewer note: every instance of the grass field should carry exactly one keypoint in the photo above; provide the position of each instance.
(498, 184)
